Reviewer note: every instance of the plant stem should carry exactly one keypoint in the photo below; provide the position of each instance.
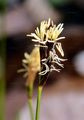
(30, 94)
(38, 102)
(31, 108)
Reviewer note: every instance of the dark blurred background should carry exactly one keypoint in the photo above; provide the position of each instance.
(21, 17)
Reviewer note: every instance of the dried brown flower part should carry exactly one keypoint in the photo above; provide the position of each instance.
(31, 65)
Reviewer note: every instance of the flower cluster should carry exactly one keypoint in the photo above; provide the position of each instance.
(44, 59)
(31, 65)
(48, 34)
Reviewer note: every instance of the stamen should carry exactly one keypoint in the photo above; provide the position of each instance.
(54, 69)
(43, 59)
(45, 71)
(59, 47)
(60, 38)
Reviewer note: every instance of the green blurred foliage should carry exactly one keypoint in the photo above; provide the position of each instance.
(2, 77)
(2, 61)
(2, 100)
(2, 5)
(59, 2)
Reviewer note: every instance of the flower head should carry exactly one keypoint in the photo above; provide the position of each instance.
(47, 38)
(40, 33)
(31, 65)
(47, 32)
(49, 63)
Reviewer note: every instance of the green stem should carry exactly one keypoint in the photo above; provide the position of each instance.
(31, 108)
(38, 102)
(30, 94)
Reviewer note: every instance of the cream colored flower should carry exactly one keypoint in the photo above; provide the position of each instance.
(53, 32)
(47, 32)
(31, 65)
(40, 33)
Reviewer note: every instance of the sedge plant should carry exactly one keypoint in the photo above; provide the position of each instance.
(42, 60)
